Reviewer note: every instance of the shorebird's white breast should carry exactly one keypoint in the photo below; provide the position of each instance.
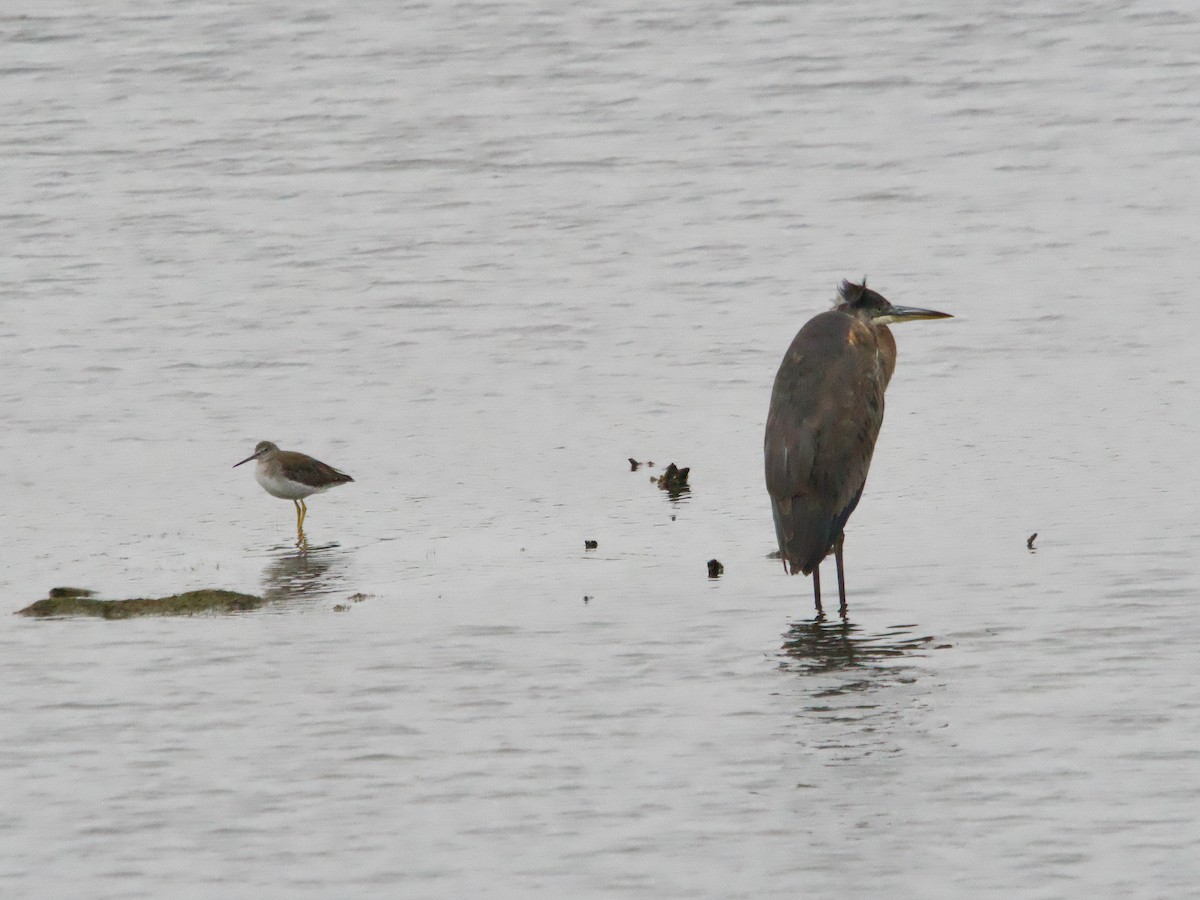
(278, 485)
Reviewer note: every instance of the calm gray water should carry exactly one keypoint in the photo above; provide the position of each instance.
(477, 255)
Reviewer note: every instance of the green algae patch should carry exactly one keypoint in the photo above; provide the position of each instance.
(79, 602)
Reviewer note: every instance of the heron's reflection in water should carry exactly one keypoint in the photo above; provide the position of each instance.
(820, 645)
(858, 691)
(305, 573)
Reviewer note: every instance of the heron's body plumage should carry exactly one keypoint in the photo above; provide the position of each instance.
(825, 414)
(826, 411)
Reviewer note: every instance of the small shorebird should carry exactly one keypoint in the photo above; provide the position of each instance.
(292, 476)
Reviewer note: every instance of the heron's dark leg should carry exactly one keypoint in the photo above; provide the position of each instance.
(837, 556)
(816, 577)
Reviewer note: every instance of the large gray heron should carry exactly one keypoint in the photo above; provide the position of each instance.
(826, 409)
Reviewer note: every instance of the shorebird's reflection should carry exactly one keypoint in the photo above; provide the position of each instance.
(823, 646)
(305, 573)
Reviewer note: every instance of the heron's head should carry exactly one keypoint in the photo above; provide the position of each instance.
(859, 299)
(261, 449)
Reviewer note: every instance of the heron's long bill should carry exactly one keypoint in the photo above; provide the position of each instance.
(910, 314)
(246, 460)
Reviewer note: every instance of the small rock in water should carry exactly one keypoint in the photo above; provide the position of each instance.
(715, 569)
(590, 545)
(674, 480)
(62, 593)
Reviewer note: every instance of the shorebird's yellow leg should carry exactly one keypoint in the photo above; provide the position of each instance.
(301, 541)
(303, 511)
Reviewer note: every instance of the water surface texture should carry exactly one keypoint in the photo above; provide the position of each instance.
(478, 254)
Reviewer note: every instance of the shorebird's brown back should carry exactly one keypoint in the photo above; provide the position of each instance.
(302, 468)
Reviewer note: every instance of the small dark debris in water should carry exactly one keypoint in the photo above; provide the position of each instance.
(341, 607)
(62, 593)
(189, 603)
(1030, 540)
(649, 465)
(674, 480)
(715, 569)
(672, 518)
(586, 598)
(943, 647)
(359, 598)
(633, 464)
(590, 545)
